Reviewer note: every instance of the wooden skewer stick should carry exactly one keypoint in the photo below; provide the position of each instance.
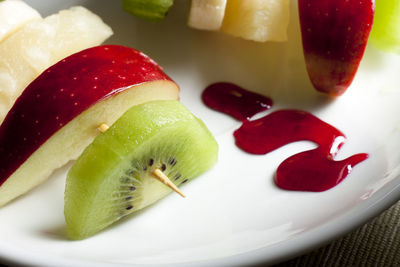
(159, 175)
(103, 127)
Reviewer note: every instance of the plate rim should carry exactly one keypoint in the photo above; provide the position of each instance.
(270, 254)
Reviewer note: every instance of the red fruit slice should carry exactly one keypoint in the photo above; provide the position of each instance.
(57, 115)
(335, 34)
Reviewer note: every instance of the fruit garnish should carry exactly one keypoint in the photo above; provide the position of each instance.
(114, 176)
(385, 33)
(153, 10)
(40, 44)
(335, 34)
(207, 14)
(257, 20)
(56, 116)
(13, 15)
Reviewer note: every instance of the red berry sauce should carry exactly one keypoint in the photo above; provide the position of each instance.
(314, 170)
(234, 100)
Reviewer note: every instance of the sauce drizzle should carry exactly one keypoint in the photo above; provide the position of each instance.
(313, 170)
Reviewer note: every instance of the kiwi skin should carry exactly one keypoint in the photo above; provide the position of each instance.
(112, 178)
(152, 10)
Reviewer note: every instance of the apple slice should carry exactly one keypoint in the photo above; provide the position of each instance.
(335, 34)
(41, 43)
(13, 15)
(57, 115)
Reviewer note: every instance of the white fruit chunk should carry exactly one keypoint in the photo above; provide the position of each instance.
(258, 20)
(40, 44)
(13, 15)
(207, 14)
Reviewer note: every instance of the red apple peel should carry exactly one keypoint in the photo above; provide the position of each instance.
(335, 34)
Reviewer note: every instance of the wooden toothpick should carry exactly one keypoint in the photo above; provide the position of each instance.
(159, 175)
(103, 127)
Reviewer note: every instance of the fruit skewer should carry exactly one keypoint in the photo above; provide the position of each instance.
(157, 173)
(114, 176)
(160, 176)
(65, 104)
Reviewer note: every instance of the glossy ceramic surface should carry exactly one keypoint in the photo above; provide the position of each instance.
(233, 214)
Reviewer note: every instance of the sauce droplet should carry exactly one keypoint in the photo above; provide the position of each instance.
(234, 100)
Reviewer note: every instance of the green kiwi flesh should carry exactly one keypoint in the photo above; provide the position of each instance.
(113, 176)
(153, 10)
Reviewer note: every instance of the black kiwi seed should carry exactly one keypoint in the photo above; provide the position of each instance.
(137, 167)
(163, 167)
(172, 162)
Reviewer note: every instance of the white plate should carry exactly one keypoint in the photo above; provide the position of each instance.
(234, 214)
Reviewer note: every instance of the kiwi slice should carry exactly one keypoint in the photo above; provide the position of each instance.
(114, 175)
(153, 10)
